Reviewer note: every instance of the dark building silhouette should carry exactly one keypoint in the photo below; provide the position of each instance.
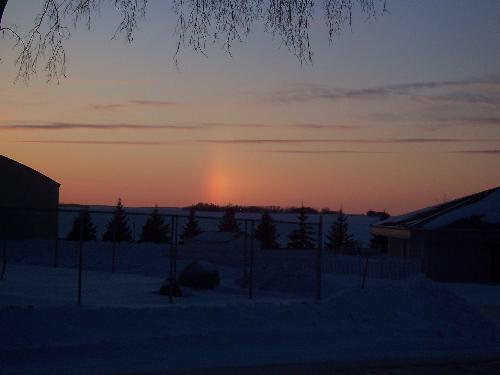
(26, 200)
(457, 240)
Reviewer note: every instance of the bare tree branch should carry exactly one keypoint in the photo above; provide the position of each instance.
(3, 4)
(199, 23)
(229, 21)
(45, 40)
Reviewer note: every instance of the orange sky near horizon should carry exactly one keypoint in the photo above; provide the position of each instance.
(354, 184)
(398, 114)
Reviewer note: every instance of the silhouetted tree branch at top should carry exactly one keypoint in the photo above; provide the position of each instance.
(199, 23)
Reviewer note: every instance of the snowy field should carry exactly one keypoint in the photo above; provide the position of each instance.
(284, 270)
(125, 327)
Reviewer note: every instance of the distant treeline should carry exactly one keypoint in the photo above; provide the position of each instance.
(212, 207)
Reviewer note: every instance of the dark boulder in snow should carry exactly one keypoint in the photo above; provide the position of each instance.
(199, 275)
(170, 288)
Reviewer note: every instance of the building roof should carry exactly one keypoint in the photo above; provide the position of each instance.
(475, 211)
(12, 163)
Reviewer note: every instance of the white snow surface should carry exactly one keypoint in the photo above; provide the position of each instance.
(404, 217)
(123, 326)
(488, 209)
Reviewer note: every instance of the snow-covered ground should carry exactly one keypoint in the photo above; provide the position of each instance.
(125, 326)
(285, 271)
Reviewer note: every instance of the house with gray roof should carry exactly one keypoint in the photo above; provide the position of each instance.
(457, 240)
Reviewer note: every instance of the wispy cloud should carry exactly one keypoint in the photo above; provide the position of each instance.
(109, 107)
(469, 121)
(235, 125)
(105, 107)
(173, 126)
(97, 142)
(275, 142)
(153, 103)
(347, 141)
(75, 126)
(93, 81)
(435, 118)
(310, 92)
(326, 127)
(459, 98)
(486, 152)
(320, 152)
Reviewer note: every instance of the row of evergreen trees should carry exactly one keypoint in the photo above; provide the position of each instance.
(156, 230)
(303, 237)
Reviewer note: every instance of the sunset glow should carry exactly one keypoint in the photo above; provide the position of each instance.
(400, 113)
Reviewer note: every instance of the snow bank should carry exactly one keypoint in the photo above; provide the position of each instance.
(387, 319)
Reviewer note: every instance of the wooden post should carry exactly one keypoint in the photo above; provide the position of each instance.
(80, 260)
(172, 249)
(4, 257)
(365, 272)
(113, 248)
(245, 250)
(56, 253)
(319, 260)
(175, 239)
(250, 275)
(4, 247)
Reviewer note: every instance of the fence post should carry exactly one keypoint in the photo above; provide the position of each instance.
(4, 258)
(171, 275)
(250, 276)
(4, 245)
(80, 260)
(175, 239)
(365, 272)
(56, 252)
(245, 251)
(319, 258)
(113, 248)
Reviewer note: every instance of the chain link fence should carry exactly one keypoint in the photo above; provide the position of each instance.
(246, 269)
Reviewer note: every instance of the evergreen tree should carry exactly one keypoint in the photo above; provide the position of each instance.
(266, 232)
(302, 237)
(155, 230)
(117, 227)
(89, 229)
(191, 229)
(339, 239)
(228, 222)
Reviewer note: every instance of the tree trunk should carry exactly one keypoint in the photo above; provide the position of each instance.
(3, 3)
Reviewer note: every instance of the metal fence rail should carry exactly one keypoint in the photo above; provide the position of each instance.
(128, 257)
(381, 267)
(303, 270)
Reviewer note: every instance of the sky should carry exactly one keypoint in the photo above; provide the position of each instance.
(398, 113)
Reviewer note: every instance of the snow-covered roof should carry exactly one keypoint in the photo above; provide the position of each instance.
(476, 211)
